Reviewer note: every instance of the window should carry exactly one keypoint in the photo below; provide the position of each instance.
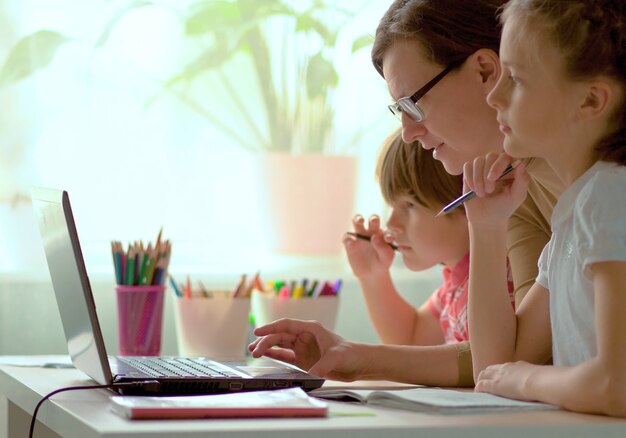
(134, 157)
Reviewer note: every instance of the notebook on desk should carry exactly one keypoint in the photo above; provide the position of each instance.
(176, 375)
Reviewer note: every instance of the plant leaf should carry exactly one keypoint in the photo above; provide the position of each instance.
(308, 23)
(30, 54)
(216, 16)
(320, 76)
(264, 9)
(209, 59)
(212, 17)
(362, 41)
(106, 33)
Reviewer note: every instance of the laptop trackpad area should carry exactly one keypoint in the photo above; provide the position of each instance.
(264, 367)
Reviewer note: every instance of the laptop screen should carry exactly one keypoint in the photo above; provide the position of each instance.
(71, 284)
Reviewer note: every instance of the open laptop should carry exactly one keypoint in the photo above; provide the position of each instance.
(175, 375)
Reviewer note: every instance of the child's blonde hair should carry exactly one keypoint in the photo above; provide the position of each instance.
(591, 36)
(409, 169)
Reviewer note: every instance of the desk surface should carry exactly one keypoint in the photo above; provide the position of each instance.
(88, 414)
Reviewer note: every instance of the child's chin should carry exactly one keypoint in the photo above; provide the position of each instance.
(514, 150)
(416, 265)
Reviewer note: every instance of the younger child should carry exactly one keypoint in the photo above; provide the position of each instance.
(560, 97)
(416, 187)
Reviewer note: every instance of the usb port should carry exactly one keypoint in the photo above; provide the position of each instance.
(235, 386)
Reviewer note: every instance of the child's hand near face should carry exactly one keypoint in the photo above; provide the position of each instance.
(496, 198)
(372, 258)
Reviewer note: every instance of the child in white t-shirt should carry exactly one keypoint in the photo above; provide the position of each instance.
(560, 97)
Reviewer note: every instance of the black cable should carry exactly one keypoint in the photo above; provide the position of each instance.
(148, 385)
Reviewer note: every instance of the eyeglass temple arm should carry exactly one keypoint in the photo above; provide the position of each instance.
(417, 96)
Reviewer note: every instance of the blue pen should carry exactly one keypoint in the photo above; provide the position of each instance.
(467, 196)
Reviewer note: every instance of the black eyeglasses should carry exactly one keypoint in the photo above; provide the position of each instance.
(409, 104)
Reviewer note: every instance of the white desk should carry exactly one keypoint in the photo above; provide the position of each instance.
(87, 414)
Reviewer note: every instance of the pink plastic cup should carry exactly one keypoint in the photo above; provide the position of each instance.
(140, 319)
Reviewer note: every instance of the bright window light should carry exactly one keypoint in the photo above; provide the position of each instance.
(136, 155)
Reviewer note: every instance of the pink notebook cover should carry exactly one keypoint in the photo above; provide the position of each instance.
(292, 402)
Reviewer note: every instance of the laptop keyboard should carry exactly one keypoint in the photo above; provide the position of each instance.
(177, 367)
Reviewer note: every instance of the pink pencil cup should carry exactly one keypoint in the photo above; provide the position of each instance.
(139, 319)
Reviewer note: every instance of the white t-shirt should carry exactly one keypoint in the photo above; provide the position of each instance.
(588, 226)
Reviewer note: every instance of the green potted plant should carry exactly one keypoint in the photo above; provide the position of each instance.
(307, 185)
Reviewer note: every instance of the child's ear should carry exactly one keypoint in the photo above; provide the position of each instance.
(599, 99)
(487, 65)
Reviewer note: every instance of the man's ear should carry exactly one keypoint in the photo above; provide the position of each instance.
(598, 98)
(486, 63)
